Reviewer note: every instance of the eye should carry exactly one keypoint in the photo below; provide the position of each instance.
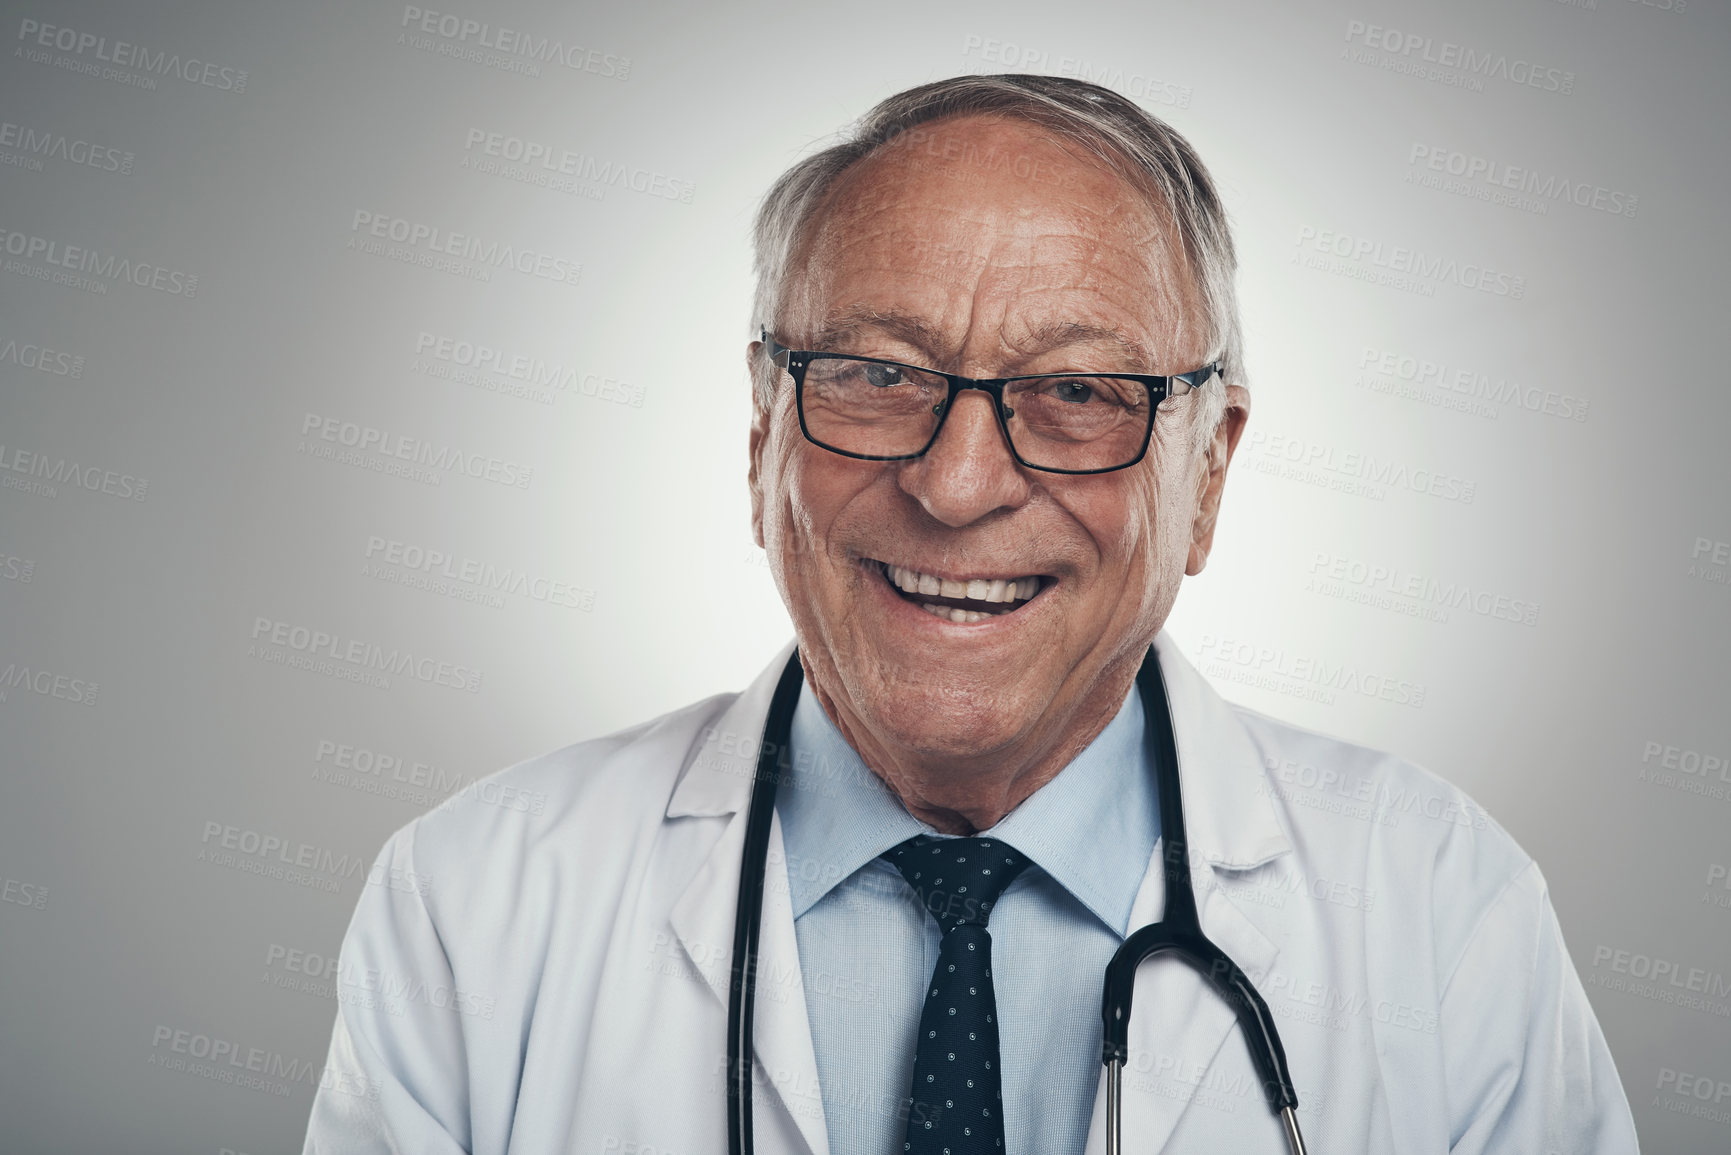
(884, 376)
(1076, 392)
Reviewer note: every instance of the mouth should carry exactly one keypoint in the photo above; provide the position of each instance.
(964, 601)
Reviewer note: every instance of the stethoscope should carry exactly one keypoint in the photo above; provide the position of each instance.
(1178, 933)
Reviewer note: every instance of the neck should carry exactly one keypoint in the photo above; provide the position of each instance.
(968, 794)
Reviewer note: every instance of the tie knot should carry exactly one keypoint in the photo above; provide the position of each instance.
(957, 879)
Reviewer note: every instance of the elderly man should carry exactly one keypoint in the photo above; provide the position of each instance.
(998, 383)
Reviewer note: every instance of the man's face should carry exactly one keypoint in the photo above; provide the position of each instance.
(984, 247)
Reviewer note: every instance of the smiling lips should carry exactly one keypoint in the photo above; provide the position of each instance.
(962, 602)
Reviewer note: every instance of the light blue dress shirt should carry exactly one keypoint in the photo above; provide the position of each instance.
(867, 947)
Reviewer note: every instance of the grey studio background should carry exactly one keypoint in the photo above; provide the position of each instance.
(372, 416)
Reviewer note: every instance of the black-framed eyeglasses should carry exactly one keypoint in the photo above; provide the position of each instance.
(877, 410)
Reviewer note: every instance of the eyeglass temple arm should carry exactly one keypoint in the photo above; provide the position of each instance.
(775, 348)
(1197, 378)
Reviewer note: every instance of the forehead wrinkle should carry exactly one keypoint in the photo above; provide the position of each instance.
(1010, 261)
(1123, 256)
(1120, 308)
(1094, 267)
(1116, 266)
(863, 236)
(1161, 273)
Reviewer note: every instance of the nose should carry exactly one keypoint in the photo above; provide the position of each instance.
(968, 472)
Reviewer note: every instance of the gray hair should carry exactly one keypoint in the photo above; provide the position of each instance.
(1143, 149)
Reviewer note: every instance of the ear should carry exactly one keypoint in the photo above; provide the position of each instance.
(1213, 479)
(759, 433)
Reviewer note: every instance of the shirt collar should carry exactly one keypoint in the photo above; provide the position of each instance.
(836, 815)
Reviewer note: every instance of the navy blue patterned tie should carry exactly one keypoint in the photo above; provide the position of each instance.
(956, 1107)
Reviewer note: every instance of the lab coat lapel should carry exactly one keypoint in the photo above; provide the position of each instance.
(717, 782)
(1178, 1022)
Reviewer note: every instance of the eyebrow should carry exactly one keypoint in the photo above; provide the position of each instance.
(903, 326)
(1042, 338)
(1064, 334)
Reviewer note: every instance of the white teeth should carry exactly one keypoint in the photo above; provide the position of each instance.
(1002, 590)
(955, 614)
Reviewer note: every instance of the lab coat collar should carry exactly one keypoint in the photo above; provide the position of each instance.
(1229, 812)
(716, 779)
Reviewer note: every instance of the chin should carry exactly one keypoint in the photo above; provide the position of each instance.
(952, 716)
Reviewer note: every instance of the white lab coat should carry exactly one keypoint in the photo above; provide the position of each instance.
(542, 965)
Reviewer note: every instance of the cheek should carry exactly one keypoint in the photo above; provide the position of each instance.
(805, 492)
(782, 478)
(787, 537)
(1144, 527)
(1139, 517)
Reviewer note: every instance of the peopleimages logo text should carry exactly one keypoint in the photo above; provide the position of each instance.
(441, 458)
(1485, 64)
(48, 472)
(1414, 263)
(127, 55)
(47, 684)
(1498, 175)
(514, 42)
(443, 564)
(1471, 384)
(363, 655)
(58, 146)
(465, 246)
(107, 267)
(26, 355)
(578, 165)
